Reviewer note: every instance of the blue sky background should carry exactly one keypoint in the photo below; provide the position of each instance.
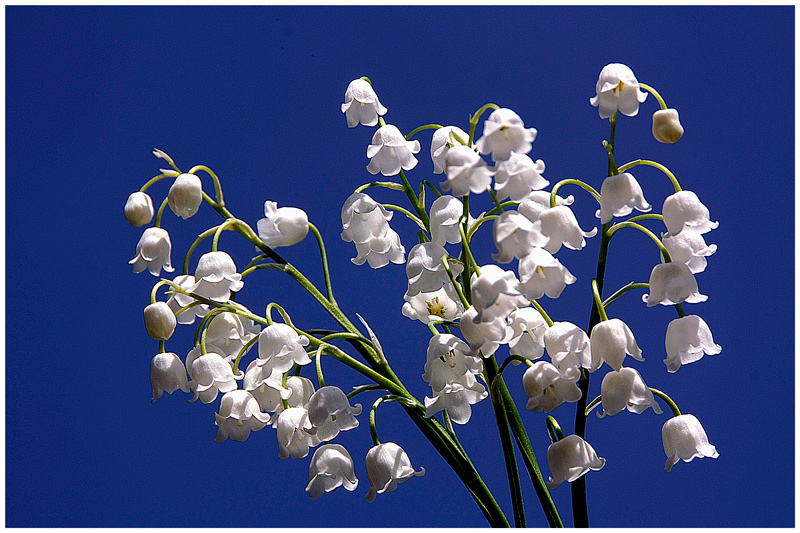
(255, 94)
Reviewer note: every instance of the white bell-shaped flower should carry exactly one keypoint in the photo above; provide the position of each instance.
(216, 277)
(540, 273)
(515, 236)
(167, 374)
(456, 397)
(684, 438)
(516, 177)
(484, 337)
(673, 283)
(390, 152)
(185, 195)
(239, 414)
(267, 396)
(684, 210)
(366, 224)
(559, 223)
(139, 209)
(503, 133)
(210, 374)
(528, 326)
(466, 172)
(619, 195)
(293, 432)
(667, 126)
(569, 459)
(446, 211)
(537, 202)
(625, 389)
(387, 465)
(153, 252)
(442, 141)
(282, 226)
(688, 338)
(280, 347)
(230, 332)
(160, 321)
(617, 89)
(177, 301)
(547, 387)
(361, 104)
(569, 348)
(331, 467)
(611, 341)
(448, 361)
(299, 391)
(441, 305)
(330, 412)
(495, 293)
(688, 247)
(425, 268)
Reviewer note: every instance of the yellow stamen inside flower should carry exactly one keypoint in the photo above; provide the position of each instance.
(540, 271)
(435, 308)
(618, 89)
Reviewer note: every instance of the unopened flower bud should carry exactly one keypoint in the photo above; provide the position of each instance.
(159, 320)
(139, 209)
(185, 195)
(666, 126)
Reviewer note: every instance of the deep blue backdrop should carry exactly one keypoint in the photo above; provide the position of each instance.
(254, 93)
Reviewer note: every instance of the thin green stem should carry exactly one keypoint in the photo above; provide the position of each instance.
(497, 203)
(197, 241)
(407, 213)
(244, 350)
(423, 215)
(217, 186)
(154, 292)
(157, 223)
(324, 258)
(421, 128)
(659, 166)
(542, 312)
(594, 403)
(654, 93)
(670, 402)
(431, 186)
(465, 247)
(598, 302)
(386, 184)
(582, 184)
(480, 222)
(157, 178)
(473, 121)
(225, 225)
(554, 429)
(616, 227)
(364, 388)
(629, 287)
(318, 365)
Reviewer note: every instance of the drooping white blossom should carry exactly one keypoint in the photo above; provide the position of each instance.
(295, 433)
(153, 252)
(230, 332)
(619, 195)
(516, 177)
(569, 459)
(448, 360)
(185, 195)
(390, 152)
(366, 224)
(139, 209)
(495, 293)
(361, 104)
(177, 301)
(503, 133)
(688, 338)
(267, 396)
(612, 340)
(684, 438)
(547, 387)
(617, 89)
(625, 389)
(540, 273)
(299, 391)
(239, 414)
(445, 214)
(387, 465)
(210, 374)
(159, 321)
(279, 348)
(330, 412)
(216, 277)
(282, 226)
(439, 305)
(167, 374)
(559, 223)
(528, 327)
(683, 209)
(466, 172)
(456, 397)
(688, 247)
(667, 126)
(442, 141)
(673, 283)
(331, 467)
(484, 337)
(515, 236)
(569, 348)
(425, 268)
(537, 202)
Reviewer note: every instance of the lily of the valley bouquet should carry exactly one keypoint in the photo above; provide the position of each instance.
(265, 367)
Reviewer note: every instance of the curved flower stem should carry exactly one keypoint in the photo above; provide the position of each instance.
(463, 225)
(154, 292)
(503, 205)
(646, 216)
(654, 93)
(431, 186)
(423, 215)
(556, 434)
(542, 312)
(630, 286)
(254, 261)
(244, 350)
(473, 121)
(468, 252)
(324, 257)
(157, 223)
(372, 430)
(672, 404)
(481, 222)
(318, 365)
(659, 166)
(208, 232)
(364, 388)
(456, 286)
(386, 184)
(616, 227)
(421, 128)
(217, 186)
(586, 186)
(157, 178)
(407, 213)
(598, 303)
(508, 361)
(593, 404)
(497, 203)
(225, 225)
